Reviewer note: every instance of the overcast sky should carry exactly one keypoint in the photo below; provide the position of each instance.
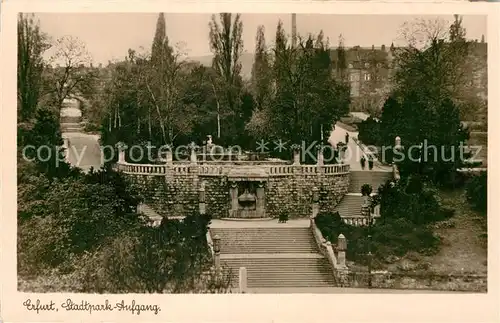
(108, 36)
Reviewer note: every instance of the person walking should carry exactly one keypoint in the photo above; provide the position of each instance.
(346, 138)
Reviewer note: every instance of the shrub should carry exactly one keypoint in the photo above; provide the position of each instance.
(366, 189)
(477, 192)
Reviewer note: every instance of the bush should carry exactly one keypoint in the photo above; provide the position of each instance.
(477, 192)
(406, 211)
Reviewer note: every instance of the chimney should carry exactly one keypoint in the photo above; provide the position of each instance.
(482, 38)
(294, 30)
(383, 48)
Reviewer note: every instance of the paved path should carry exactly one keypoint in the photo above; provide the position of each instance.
(83, 150)
(354, 152)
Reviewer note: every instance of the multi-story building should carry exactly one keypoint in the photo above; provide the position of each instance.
(369, 72)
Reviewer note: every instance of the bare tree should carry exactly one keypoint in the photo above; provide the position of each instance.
(71, 76)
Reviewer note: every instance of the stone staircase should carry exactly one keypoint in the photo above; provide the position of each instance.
(274, 256)
(71, 124)
(350, 205)
(375, 178)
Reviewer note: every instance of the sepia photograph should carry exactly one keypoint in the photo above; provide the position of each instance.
(251, 153)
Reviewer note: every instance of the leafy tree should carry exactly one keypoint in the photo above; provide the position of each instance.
(303, 108)
(261, 77)
(341, 60)
(369, 131)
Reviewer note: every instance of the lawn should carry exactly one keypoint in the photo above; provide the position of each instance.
(464, 243)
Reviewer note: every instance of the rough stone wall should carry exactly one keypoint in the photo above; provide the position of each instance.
(216, 196)
(293, 194)
(176, 194)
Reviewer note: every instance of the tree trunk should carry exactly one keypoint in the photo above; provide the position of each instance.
(149, 123)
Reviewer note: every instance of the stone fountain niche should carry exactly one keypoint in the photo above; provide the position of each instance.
(247, 192)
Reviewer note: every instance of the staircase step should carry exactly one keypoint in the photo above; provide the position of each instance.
(284, 272)
(373, 177)
(265, 240)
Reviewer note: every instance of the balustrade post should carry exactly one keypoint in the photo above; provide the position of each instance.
(193, 157)
(121, 152)
(320, 158)
(296, 154)
(216, 241)
(169, 157)
(243, 280)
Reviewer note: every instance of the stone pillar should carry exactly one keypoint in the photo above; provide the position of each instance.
(216, 241)
(296, 157)
(320, 161)
(260, 204)
(342, 247)
(243, 280)
(121, 155)
(397, 143)
(193, 158)
(315, 202)
(201, 199)
(233, 193)
(169, 157)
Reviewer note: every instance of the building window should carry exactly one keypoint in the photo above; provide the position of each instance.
(350, 65)
(367, 77)
(352, 77)
(367, 65)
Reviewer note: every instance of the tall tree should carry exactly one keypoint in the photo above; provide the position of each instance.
(261, 86)
(226, 45)
(162, 83)
(341, 60)
(305, 87)
(31, 44)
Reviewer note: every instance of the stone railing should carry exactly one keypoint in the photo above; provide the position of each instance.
(359, 220)
(325, 247)
(141, 169)
(217, 170)
(283, 170)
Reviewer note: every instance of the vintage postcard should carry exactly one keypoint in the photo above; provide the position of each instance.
(296, 159)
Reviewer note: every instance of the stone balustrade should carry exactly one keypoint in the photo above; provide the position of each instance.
(359, 220)
(218, 170)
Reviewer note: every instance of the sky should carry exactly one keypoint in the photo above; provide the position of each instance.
(108, 36)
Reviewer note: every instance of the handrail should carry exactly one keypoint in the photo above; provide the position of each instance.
(325, 247)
